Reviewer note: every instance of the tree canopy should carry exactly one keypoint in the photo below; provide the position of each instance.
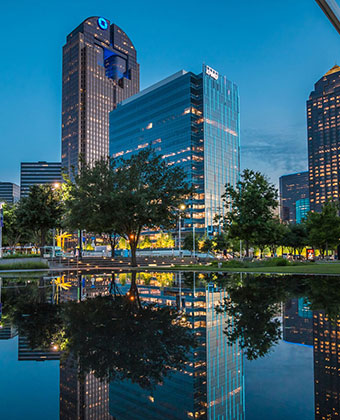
(249, 207)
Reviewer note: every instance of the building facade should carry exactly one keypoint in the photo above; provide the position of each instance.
(326, 366)
(211, 384)
(323, 118)
(38, 173)
(100, 69)
(293, 187)
(302, 208)
(193, 121)
(9, 192)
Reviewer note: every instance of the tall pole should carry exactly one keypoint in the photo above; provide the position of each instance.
(193, 239)
(53, 249)
(179, 235)
(1, 226)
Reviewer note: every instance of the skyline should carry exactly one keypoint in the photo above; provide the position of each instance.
(275, 54)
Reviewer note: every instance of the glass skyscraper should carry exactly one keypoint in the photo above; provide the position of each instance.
(100, 69)
(293, 187)
(323, 117)
(193, 121)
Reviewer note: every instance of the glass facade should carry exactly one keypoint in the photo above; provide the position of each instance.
(193, 121)
(38, 173)
(302, 209)
(9, 192)
(323, 119)
(100, 69)
(293, 187)
(211, 386)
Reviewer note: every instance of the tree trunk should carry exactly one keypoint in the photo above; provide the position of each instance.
(42, 242)
(133, 292)
(133, 247)
(113, 245)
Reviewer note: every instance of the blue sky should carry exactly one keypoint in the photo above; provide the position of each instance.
(274, 50)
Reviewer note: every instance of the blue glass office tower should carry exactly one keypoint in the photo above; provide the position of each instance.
(193, 121)
(302, 209)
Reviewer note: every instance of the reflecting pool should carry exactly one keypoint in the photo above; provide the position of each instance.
(170, 345)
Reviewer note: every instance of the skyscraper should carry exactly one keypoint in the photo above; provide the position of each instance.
(9, 192)
(38, 173)
(193, 121)
(100, 69)
(323, 117)
(293, 187)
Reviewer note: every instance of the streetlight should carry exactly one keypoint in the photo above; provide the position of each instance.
(181, 208)
(1, 226)
(56, 186)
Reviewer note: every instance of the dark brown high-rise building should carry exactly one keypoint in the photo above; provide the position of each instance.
(100, 70)
(323, 117)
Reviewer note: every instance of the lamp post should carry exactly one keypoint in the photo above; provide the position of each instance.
(193, 240)
(1, 226)
(56, 186)
(181, 208)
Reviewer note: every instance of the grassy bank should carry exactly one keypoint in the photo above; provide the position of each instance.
(28, 265)
(270, 266)
(12, 256)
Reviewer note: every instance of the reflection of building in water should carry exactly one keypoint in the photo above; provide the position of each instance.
(7, 331)
(82, 399)
(298, 322)
(25, 352)
(326, 366)
(210, 386)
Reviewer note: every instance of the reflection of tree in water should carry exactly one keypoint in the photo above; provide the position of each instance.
(114, 337)
(254, 304)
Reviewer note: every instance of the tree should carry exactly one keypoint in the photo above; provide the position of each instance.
(12, 231)
(220, 242)
(271, 235)
(148, 194)
(92, 200)
(207, 245)
(324, 228)
(188, 242)
(40, 211)
(296, 237)
(249, 207)
(164, 240)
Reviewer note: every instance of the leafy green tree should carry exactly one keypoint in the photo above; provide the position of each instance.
(220, 242)
(12, 231)
(271, 235)
(207, 245)
(145, 243)
(296, 237)
(324, 228)
(249, 207)
(92, 201)
(40, 211)
(165, 240)
(188, 242)
(148, 193)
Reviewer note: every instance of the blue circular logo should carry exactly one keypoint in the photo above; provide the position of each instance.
(102, 23)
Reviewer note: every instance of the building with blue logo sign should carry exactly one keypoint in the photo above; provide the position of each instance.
(100, 69)
(193, 121)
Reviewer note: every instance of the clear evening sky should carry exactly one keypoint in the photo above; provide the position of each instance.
(274, 50)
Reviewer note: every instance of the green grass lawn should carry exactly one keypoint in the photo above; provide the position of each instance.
(29, 265)
(312, 268)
